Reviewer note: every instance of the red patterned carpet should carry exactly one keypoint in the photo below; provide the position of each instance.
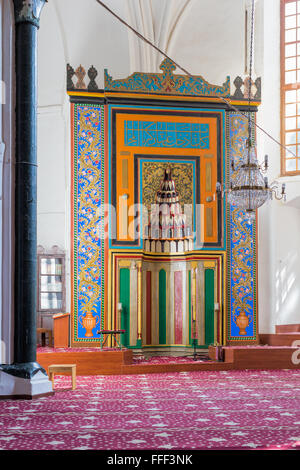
(186, 410)
(168, 359)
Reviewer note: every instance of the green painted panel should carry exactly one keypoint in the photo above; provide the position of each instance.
(125, 301)
(162, 307)
(209, 305)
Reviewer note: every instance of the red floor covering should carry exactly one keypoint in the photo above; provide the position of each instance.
(186, 410)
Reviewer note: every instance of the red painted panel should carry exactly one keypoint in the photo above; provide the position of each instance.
(198, 300)
(219, 339)
(148, 307)
(178, 306)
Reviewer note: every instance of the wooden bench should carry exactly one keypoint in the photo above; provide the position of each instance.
(43, 332)
(57, 368)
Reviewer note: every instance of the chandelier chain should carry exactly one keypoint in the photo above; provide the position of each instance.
(251, 65)
(249, 99)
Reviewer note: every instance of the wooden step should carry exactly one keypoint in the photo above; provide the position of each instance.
(120, 362)
(262, 357)
(88, 362)
(279, 339)
(293, 328)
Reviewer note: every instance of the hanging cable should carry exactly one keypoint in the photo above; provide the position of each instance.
(249, 98)
(229, 104)
(250, 71)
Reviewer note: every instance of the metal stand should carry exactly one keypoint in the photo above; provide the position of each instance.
(112, 334)
(195, 354)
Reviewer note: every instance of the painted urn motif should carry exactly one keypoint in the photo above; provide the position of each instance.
(242, 321)
(88, 322)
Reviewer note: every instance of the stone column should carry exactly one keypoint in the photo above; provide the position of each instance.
(30, 376)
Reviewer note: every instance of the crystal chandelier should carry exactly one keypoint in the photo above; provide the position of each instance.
(249, 189)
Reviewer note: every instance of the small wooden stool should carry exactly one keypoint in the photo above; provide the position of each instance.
(56, 368)
(43, 332)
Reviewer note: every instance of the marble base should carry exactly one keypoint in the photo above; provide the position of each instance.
(175, 351)
(18, 387)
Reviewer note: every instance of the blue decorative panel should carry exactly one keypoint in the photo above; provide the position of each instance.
(166, 134)
(88, 237)
(242, 249)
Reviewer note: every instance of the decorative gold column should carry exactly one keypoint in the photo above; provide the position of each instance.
(194, 274)
(194, 306)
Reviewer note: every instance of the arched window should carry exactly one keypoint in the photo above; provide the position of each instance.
(290, 86)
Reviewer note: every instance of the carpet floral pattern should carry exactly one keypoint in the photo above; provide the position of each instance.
(168, 359)
(186, 410)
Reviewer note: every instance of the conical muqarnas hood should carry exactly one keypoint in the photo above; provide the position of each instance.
(167, 223)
